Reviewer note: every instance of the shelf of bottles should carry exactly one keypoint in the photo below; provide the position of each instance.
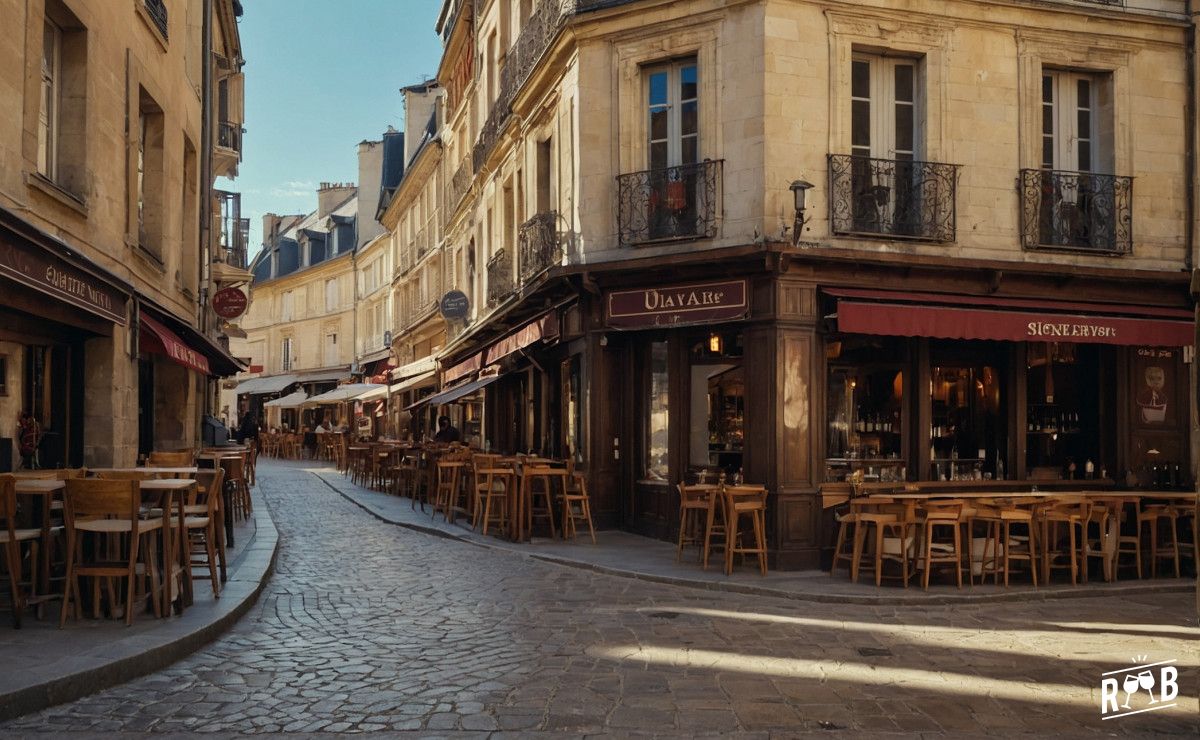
(964, 443)
(865, 426)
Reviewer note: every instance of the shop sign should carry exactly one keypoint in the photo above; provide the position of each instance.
(229, 303)
(54, 277)
(677, 305)
(455, 305)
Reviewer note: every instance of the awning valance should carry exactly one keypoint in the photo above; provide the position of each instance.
(455, 393)
(539, 329)
(950, 316)
(159, 339)
(265, 385)
(419, 381)
(290, 401)
(324, 376)
(420, 367)
(349, 392)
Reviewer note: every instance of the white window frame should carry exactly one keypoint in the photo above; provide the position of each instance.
(674, 107)
(50, 104)
(1065, 137)
(882, 102)
(287, 354)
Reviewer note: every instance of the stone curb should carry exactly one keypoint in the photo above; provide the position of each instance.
(1130, 588)
(246, 579)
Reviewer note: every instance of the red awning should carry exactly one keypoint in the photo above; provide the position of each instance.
(544, 328)
(160, 339)
(947, 316)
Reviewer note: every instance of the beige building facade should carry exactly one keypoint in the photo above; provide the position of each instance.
(772, 237)
(106, 160)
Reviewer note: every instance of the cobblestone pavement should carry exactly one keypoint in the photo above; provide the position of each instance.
(370, 627)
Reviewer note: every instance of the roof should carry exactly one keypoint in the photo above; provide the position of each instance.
(312, 226)
(393, 168)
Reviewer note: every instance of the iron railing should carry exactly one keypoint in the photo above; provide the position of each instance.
(1076, 210)
(672, 203)
(892, 197)
(457, 187)
(539, 245)
(500, 284)
(157, 10)
(229, 136)
(234, 230)
(1106, 2)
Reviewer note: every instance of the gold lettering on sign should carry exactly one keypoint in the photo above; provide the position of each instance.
(1064, 329)
(78, 288)
(657, 300)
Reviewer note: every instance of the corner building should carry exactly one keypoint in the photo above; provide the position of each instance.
(990, 279)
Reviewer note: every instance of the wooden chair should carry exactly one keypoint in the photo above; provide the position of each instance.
(201, 514)
(109, 510)
(171, 460)
(945, 514)
(576, 507)
(750, 501)
(13, 538)
(693, 512)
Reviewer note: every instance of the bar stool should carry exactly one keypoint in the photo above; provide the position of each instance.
(1185, 515)
(576, 494)
(1101, 514)
(531, 475)
(752, 501)
(847, 521)
(693, 510)
(945, 514)
(492, 491)
(1052, 515)
(717, 523)
(887, 517)
(1006, 546)
(1163, 514)
(447, 483)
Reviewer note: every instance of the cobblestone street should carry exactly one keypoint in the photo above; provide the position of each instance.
(370, 627)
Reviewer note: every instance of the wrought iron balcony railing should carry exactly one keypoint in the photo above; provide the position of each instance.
(892, 197)
(157, 10)
(234, 230)
(1076, 210)
(667, 204)
(457, 187)
(229, 136)
(500, 284)
(539, 245)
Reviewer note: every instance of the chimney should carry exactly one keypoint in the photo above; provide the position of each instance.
(420, 101)
(331, 195)
(270, 229)
(370, 178)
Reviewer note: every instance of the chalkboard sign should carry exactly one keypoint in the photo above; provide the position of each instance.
(455, 305)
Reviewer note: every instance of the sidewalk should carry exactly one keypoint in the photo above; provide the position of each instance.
(633, 556)
(45, 666)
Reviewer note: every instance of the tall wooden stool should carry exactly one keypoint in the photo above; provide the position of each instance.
(1053, 515)
(492, 492)
(942, 515)
(576, 507)
(750, 501)
(693, 510)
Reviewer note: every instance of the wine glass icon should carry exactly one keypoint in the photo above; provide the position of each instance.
(1130, 684)
(1146, 681)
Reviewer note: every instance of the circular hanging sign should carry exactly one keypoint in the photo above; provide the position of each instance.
(229, 303)
(455, 305)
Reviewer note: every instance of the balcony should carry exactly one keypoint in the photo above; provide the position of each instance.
(499, 278)
(229, 136)
(675, 203)
(1077, 211)
(157, 10)
(457, 187)
(539, 246)
(234, 231)
(899, 199)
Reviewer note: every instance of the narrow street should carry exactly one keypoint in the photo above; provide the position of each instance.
(370, 627)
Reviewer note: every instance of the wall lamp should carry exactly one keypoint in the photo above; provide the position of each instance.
(799, 190)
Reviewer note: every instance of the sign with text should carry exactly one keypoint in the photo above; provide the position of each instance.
(455, 305)
(59, 279)
(677, 305)
(229, 303)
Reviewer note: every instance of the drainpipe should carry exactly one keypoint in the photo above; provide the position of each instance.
(205, 189)
(1190, 146)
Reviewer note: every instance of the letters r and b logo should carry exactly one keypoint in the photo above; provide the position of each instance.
(1147, 687)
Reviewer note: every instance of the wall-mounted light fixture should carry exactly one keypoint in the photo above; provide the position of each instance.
(714, 343)
(799, 190)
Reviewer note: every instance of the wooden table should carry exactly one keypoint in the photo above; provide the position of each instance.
(175, 471)
(45, 489)
(171, 493)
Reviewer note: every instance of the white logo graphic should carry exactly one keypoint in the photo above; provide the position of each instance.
(1159, 681)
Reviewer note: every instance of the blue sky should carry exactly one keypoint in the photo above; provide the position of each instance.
(321, 76)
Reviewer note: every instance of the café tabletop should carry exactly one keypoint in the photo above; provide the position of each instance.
(39, 485)
(182, 470)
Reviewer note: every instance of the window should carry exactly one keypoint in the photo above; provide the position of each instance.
(49, 112)
(285, 353)
(286, 304)
(656, 465)
(673, 109)
(331, 294)
(150, 183)
(331, 349)
(1069, 122)
(883, 117)
(544, 151)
